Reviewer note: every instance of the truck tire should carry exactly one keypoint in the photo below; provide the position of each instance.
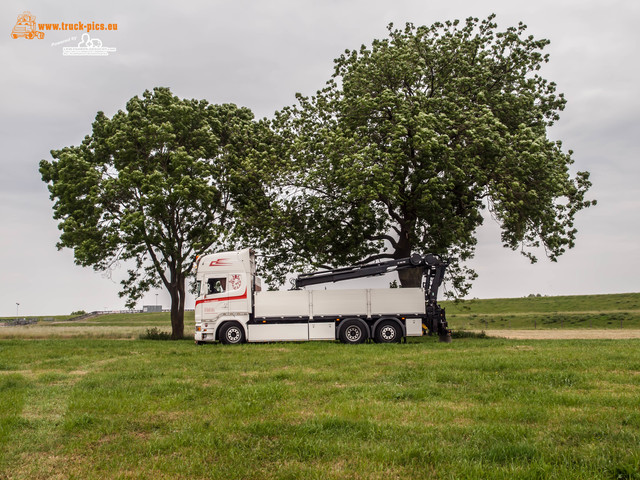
(231, 333)
(353, 332)
(388, 331)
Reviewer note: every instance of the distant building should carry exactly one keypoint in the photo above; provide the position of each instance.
(152, 309)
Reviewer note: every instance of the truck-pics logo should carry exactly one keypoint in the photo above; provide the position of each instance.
(26, 27)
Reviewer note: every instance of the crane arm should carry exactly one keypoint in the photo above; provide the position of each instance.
(433, 266)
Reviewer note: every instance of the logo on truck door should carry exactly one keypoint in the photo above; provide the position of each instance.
(235, 281)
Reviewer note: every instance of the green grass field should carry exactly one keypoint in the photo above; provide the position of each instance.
(476, 408)
(89, 399)
(108, 326)
(584, 311)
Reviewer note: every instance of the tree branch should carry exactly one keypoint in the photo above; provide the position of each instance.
(388, 238)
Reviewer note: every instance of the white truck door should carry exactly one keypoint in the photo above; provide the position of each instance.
(238, 293)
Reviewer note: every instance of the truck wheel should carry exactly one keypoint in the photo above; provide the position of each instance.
(353, 331)
(388, 331)
(231, 334)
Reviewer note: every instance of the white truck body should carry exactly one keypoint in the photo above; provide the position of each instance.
(229, 293)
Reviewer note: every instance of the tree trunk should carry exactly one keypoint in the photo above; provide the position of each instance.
(411, 277)
(177, 308)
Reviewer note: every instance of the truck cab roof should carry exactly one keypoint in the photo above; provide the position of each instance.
(227, 262)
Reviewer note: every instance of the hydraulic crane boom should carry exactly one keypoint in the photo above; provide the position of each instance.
(434, 269)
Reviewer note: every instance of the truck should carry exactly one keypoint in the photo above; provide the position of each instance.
(26, 27)
(231, 307)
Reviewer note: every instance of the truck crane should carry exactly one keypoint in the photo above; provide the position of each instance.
(232, 308)
(433, 274)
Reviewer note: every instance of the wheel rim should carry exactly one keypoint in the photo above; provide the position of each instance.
(353, 333)
(233, 334)
(388, 333)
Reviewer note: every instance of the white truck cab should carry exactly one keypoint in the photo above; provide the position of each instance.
(224, 293)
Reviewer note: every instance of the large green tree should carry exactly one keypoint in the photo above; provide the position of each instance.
(418, 134)
(155, 185)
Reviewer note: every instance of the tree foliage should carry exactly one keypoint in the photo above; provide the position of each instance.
(153, 186)
(414, 137)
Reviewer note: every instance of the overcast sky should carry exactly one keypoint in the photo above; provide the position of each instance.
(258, 54)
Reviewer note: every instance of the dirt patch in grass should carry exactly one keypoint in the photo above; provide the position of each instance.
(583, 334)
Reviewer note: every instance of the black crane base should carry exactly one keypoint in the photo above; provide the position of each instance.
(445, 338)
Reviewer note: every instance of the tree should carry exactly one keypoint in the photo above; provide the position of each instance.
(413, 137)
(154, 186)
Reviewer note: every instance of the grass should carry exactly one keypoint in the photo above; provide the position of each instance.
(475, 408)
(155, 333)
(584, 311)
(108, 320)
(44, 319)
(575, 303)
(108, 326)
